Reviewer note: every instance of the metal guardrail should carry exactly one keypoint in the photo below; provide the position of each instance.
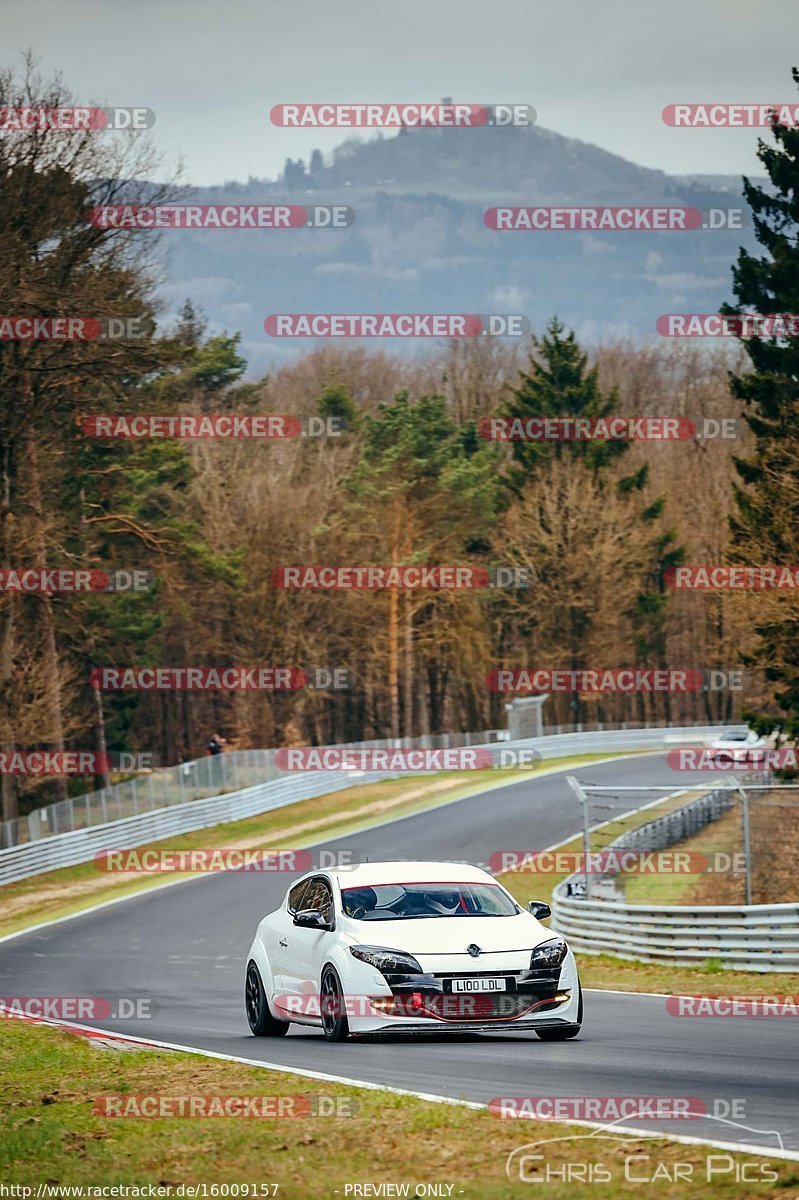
(275, 790)
(82, 845)
(748, 937)
(157, 788)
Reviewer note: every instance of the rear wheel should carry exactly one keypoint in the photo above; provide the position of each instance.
(259, 1017)
(562, 1033)
(335, 1025)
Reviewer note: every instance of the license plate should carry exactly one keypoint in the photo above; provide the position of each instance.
(479, 985)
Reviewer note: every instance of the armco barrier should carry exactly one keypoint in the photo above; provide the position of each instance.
(81, 845)
(747, 937)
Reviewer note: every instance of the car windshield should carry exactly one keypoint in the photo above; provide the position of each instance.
(734, 735)
(407, 901)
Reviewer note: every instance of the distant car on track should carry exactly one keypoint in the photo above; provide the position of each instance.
(739, 746)
(409, 947)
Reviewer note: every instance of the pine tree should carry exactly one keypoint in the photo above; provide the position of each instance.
(559, 384)
(766, 526)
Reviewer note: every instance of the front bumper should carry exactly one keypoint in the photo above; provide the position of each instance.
(436, 1029)
(427, 1004)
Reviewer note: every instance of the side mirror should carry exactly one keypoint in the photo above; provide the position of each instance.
(311, 918)
(539, 909)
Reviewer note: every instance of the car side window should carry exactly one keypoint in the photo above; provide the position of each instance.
(295, 895)
(319, 897)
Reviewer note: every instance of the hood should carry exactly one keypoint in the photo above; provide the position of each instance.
(451, 935)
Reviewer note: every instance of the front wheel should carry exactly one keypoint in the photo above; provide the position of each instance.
(335, 1025)
(259, 1017)
(562, 1033)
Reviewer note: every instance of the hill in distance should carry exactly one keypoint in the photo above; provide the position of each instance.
(419, 243)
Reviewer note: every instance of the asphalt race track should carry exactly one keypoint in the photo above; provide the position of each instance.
(184, 946)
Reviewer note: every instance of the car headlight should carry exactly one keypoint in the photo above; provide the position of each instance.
(388, 962)
(549, 954)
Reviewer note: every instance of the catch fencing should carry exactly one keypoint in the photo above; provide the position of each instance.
(747, 937)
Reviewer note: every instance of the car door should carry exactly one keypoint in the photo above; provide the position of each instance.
(306, 948)
(277, 936)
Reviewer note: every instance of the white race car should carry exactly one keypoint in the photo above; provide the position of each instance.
(739, 747)
(409, 947)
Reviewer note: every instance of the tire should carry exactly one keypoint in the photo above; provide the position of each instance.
(335, 1025)
(562, 1033)
(259, 1018)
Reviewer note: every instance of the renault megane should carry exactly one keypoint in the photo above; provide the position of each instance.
(409, 947)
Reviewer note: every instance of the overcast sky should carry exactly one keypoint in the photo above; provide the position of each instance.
(600, 71)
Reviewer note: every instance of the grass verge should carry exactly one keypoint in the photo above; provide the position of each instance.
(619, 974)
(50, 1134)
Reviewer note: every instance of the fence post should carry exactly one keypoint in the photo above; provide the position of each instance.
(577, 788)
(747, 839)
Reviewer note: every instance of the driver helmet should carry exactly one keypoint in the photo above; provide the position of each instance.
(445, 903)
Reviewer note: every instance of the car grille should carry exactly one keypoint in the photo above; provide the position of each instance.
(505, 1006)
